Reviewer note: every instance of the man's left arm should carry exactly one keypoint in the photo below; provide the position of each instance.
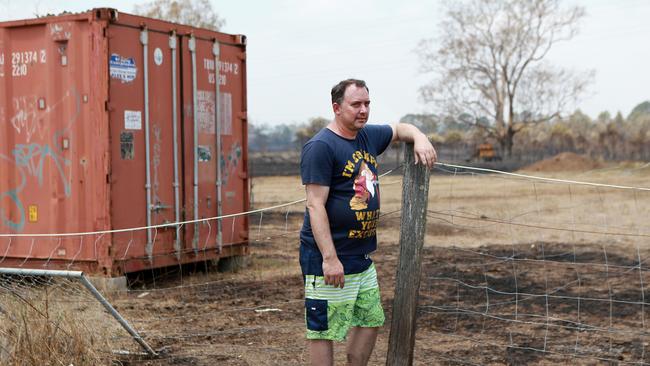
(424, 151)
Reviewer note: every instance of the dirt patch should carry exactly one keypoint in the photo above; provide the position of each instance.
(563, 162)
(538, 303)
(533, 304)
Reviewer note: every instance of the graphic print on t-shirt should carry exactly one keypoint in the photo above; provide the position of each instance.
(349, 168)
(364, 187)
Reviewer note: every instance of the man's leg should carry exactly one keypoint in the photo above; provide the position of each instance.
(321, 352)
(361, 341)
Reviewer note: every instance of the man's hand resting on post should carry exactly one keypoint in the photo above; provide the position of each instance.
(422, 148)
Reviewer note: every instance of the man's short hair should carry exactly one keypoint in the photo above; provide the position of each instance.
(338, 91)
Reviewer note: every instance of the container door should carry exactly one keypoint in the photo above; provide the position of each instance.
(214, 126)
(144, 144)
(52, 142)
(234, 141)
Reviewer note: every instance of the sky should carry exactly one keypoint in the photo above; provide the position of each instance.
(298, 49)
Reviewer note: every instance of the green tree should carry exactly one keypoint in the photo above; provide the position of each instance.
(197, 13)
(490, 62)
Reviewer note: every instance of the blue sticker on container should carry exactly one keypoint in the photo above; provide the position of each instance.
(122, 68)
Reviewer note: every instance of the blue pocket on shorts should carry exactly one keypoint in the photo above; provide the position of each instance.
(316, 314)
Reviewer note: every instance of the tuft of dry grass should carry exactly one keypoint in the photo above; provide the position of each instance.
(44, 326)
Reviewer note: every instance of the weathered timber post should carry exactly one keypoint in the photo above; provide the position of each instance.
(415, 189)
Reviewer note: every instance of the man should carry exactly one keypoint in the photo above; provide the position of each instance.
(339, 170)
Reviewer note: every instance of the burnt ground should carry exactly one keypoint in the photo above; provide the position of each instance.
(532, 303)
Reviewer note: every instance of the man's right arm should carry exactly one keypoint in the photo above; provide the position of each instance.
(320, 226)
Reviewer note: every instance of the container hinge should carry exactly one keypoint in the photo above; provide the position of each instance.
(242, 56)
(241, 39)
(243, 116)
(106, 14)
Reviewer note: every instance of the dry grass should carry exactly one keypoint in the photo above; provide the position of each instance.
(470, 210)
(50, 325)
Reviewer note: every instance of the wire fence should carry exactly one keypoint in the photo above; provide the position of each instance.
(516, 270)
(544, 270)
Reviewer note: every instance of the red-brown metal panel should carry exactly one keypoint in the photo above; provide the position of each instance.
(73, 143)
(232, 157)
(128, 143)
(52, 145)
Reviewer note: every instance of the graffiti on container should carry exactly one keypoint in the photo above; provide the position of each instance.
(126, 145)
(205, 111)
(122, 68)
(229, 163)
(204, 154)
(25, 120)
(29, 161)
(60, 31)
(157, 151)
(29, 120)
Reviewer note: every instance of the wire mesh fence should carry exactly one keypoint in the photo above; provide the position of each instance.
(516, 270)
(537, 271)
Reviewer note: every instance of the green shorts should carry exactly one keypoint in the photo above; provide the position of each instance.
(330, 311)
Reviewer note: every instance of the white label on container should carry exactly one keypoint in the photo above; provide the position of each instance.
(158, 56)
(225, 113)
(132, 120)
(205, 111)
(122, 68)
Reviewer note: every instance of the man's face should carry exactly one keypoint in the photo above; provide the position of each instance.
(354, 110)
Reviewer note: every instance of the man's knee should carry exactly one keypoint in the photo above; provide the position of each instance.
(321, 352)
(358, 357)
(360, 345)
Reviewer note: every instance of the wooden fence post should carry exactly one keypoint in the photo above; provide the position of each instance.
(415, 189)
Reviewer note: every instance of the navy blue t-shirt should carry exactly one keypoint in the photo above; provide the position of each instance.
(349, 168)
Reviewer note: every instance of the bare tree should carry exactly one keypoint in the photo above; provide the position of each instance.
(197, 13)
(490, 62)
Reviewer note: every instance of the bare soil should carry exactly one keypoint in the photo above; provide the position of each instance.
(566, 161)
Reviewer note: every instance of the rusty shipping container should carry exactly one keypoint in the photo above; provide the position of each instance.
(112, 121)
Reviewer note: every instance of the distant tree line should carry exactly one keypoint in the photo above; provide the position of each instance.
(283, 137)
(457, 139)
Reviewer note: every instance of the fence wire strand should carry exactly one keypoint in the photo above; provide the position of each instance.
(516, 269)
